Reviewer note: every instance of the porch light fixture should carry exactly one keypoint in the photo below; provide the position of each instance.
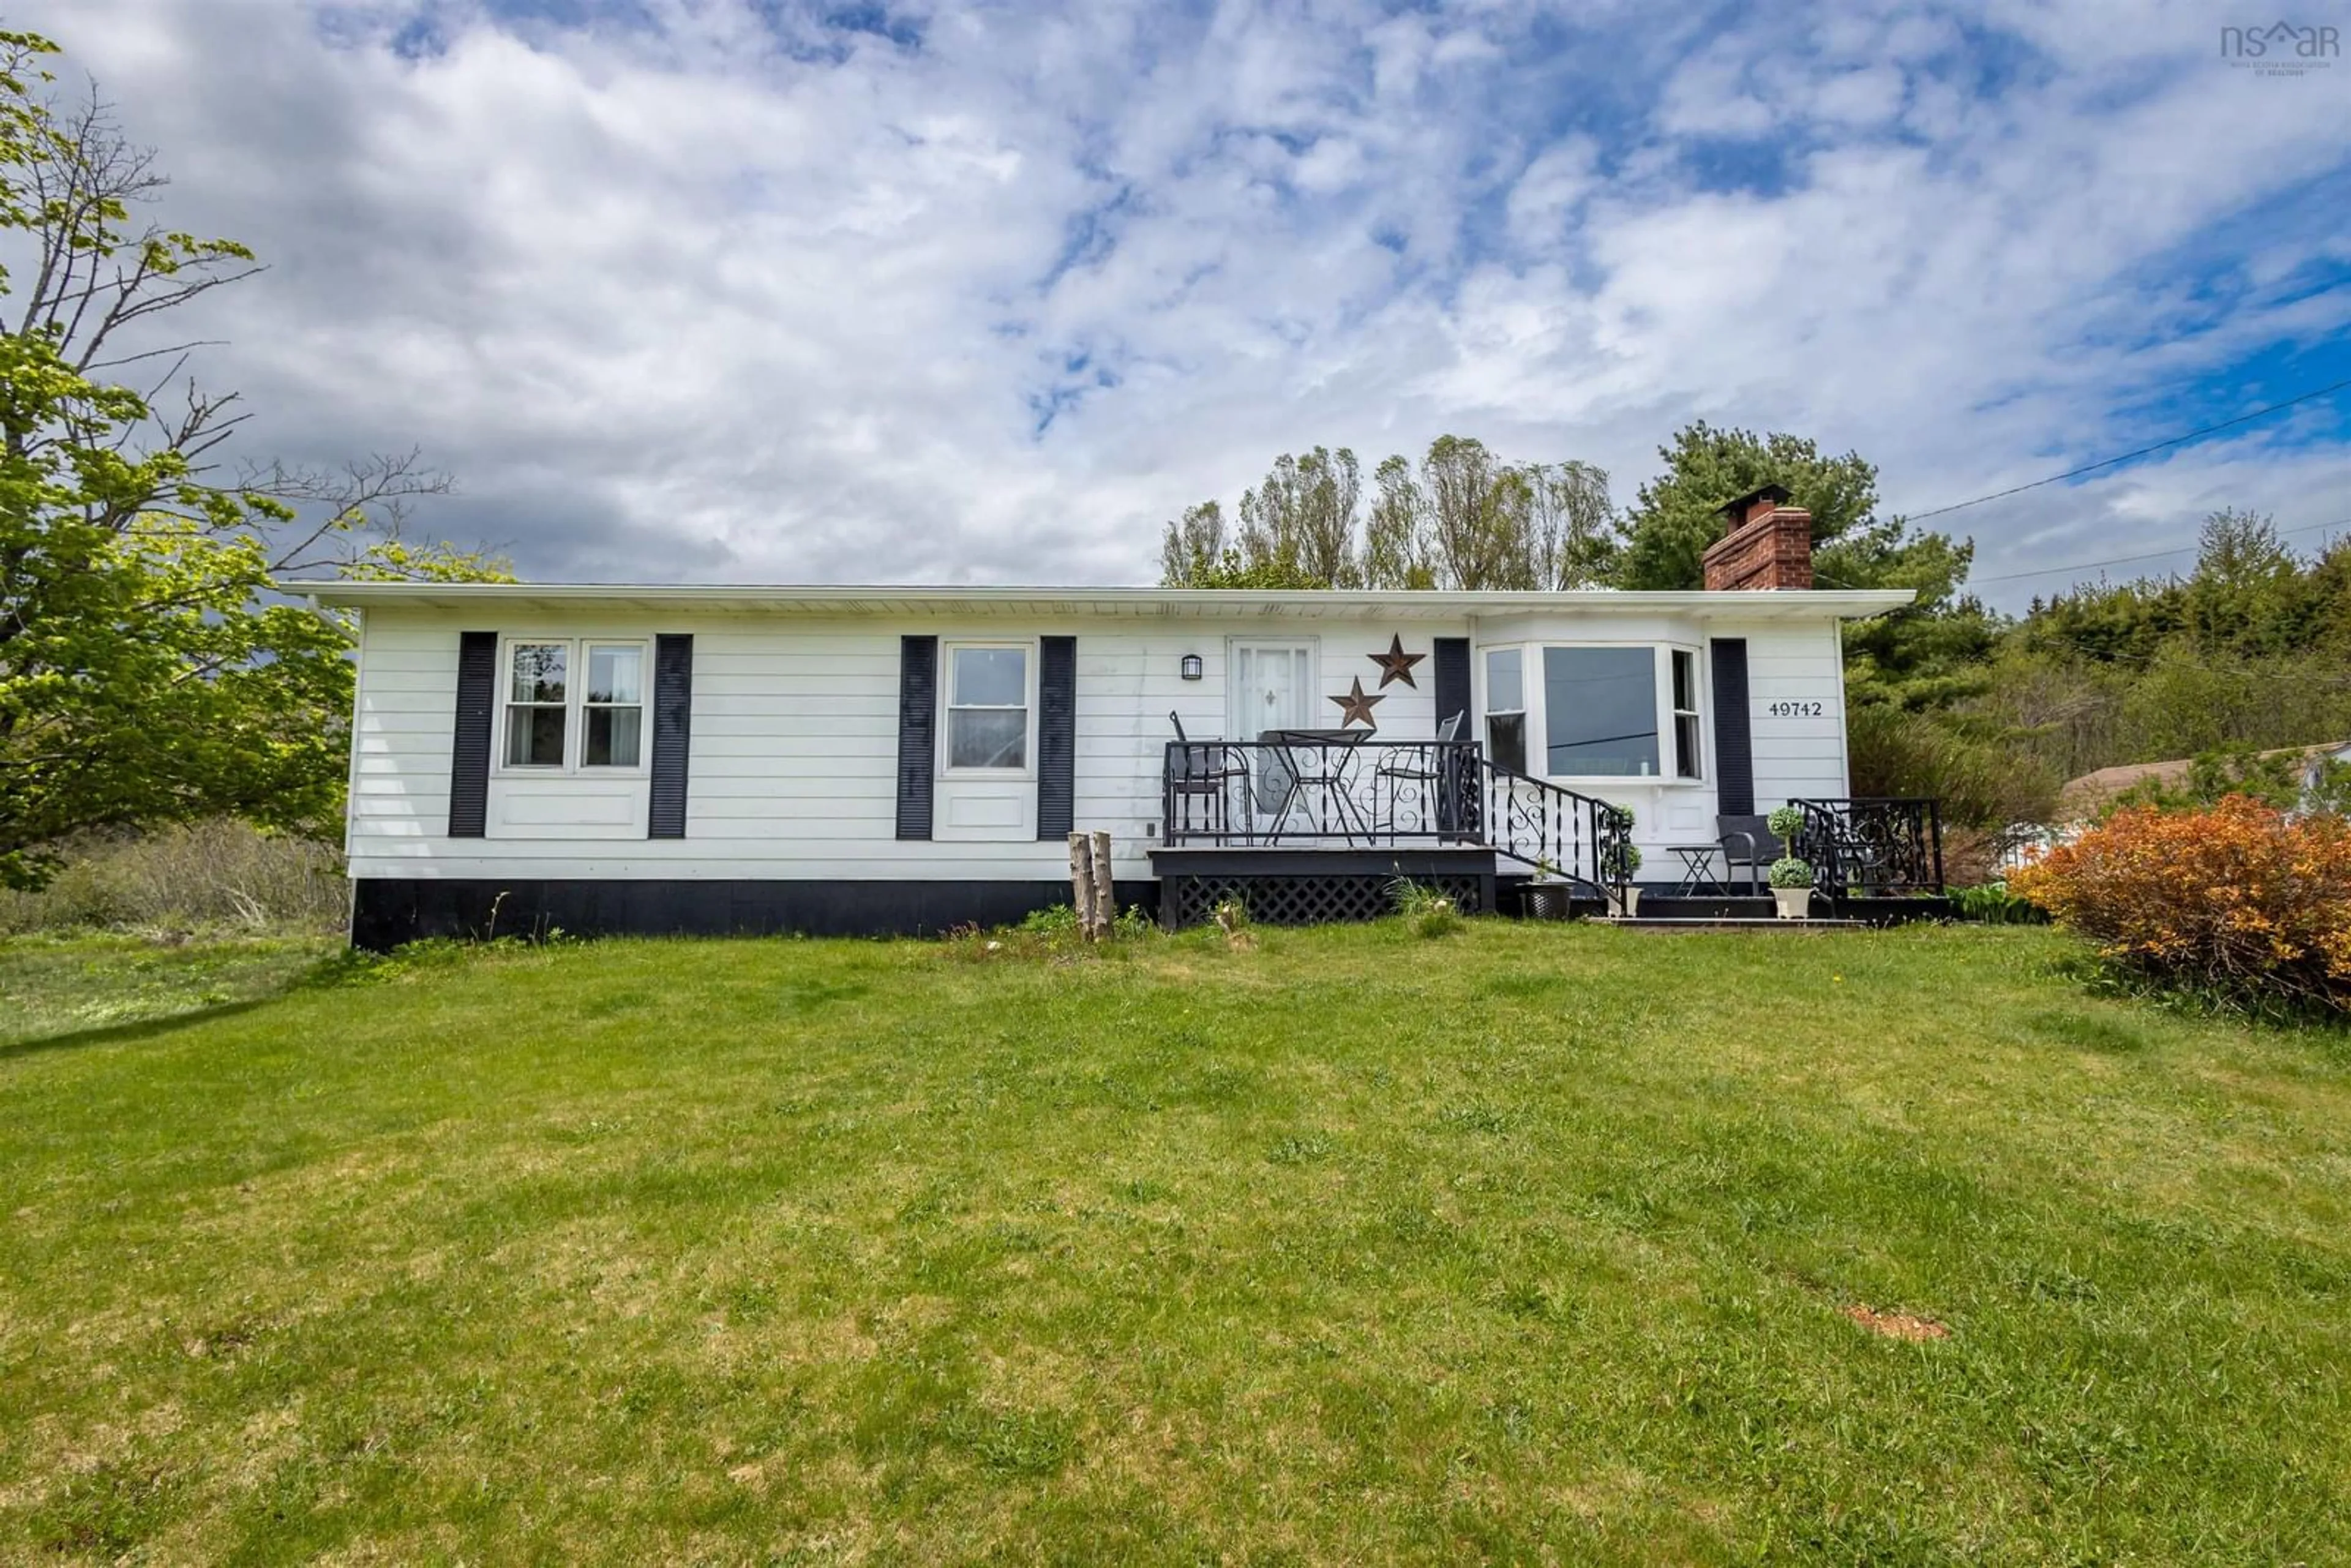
(1191, 666)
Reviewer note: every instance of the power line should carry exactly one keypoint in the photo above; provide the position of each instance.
(2120, 560)
(2108, 463)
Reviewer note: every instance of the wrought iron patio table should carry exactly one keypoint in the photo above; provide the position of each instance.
(1324, 760)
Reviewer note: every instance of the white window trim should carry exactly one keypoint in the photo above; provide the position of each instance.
(575, 709)
(1534, 694)
(948, 650)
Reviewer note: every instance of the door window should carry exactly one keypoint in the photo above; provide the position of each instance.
(1273, 688)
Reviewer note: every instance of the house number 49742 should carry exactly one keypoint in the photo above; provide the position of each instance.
(1798, 710)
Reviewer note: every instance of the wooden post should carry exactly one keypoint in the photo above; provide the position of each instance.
(1105, 888)
(1082, 884)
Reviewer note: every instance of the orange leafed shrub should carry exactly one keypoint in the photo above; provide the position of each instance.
(2237, 897)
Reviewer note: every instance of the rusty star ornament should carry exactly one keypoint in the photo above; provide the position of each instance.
(1357, 705)
(1396, 664)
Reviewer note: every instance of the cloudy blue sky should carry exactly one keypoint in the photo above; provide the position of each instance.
(738, 289)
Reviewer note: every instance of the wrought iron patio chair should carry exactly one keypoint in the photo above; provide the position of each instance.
(1748, 842)
(1203, 769)
(1428, 777)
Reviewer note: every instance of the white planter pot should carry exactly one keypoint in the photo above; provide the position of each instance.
(1625, 905)
(1795, 903)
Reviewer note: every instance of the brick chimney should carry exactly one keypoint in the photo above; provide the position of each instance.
(1768, 543)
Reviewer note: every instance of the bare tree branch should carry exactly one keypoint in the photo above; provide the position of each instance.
(370, 495)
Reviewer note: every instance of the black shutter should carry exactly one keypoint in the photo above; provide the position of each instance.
(1734, 749)
(918, 720)
(469, 752)
(1453, 682)
(673, 720)
(1057, 737)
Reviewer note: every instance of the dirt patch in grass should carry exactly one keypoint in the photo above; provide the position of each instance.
(1896, 1326)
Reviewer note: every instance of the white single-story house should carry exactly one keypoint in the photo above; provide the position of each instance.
(829, 760)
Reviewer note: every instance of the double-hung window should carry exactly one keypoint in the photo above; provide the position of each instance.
(538, 702)
(987, 707)
(1506, 708)
(555, 721)
(613, 706)
(1685, 740)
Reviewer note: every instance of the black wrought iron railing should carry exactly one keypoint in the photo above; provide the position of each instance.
(1329, 791)
(1564, 836)
(1873, 846)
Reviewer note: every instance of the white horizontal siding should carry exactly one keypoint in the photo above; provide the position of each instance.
(1802, 755)
(793, 763)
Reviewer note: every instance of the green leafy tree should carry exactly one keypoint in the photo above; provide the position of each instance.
(1477, 516)
(1192, 546)
(2251, 648)
(1464, 519)
(1396, 552)
(150, 668)
(1675, 516)
(2248, 596)
(1234, 570)
(1571, 539)
(2273, 777)
(1926, 655)
(1300, 522)
(2328, 789)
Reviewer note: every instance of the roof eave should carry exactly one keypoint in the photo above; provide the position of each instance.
(1321, 604)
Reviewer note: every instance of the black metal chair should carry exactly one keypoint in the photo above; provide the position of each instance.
(1206, 769)
(1422, 767)
(1748, 842)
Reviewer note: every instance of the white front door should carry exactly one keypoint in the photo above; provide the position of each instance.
(1272, 687)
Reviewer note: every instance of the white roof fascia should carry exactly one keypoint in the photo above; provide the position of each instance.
(1139, 604)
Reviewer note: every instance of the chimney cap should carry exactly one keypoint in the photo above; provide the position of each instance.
(1737, 509)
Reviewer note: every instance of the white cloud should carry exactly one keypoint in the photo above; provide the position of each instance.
(695, 303)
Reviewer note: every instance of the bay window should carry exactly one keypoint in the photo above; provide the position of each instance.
(1594, 711)
(547, 705)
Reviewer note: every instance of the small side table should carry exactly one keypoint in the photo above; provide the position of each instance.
(1697, 866)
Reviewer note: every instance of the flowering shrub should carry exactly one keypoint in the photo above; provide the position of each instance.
(2236, 898)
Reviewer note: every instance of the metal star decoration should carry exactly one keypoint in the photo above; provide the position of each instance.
(1357, 705)
(1396, 664)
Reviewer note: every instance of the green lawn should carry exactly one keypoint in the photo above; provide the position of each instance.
(1534, 1242)
(51, 986)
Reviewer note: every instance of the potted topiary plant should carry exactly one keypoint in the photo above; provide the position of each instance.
(1791, 886)
(1785, 824)
(1618, 861)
